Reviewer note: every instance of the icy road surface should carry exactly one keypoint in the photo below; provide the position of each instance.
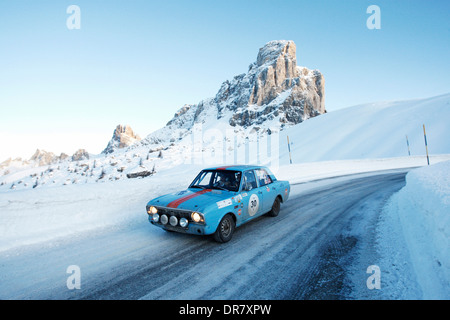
(319, 247)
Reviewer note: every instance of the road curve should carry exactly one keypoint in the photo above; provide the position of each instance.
(319, 247)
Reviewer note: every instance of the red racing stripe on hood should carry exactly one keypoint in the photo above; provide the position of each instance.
(176, 203)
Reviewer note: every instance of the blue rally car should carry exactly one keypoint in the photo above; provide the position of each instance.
(219, 200)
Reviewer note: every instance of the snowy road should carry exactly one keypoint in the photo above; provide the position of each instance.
(319, 247)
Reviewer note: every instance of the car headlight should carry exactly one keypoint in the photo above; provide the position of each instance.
(184, 222)
(152, 210)
(155, 217)
(197, 217)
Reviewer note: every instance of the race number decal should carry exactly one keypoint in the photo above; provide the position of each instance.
(253, 205)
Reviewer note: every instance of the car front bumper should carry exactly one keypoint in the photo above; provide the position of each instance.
(191, 228)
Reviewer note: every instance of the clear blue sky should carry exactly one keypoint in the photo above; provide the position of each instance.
(138, 62)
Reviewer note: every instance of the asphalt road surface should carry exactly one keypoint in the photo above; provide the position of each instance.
(319, 247)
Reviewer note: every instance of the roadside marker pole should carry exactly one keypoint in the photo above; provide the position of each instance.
(289, 148)
(407, 143)
(426, 144)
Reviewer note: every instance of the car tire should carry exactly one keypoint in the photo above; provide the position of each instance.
(225, 229)
(275, 208)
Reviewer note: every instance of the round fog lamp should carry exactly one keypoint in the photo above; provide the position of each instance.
(164, 219)
(155, 217)
(173, 221)
(183, 222)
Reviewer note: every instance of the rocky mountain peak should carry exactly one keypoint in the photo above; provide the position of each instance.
(123, 137)
(274, 87)
(275, 92)
(275, 50)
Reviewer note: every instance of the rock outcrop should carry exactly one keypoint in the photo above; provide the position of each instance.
(274, 87)
(42, 157)
(123, 137)
(80, 154)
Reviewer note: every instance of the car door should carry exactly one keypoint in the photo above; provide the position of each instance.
(252, 196)
(267, 189)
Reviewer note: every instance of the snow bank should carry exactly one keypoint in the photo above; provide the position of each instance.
(423, 210)
(303, 172)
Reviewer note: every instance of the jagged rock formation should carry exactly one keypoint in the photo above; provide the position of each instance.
(123, 137)
(42, 157)
(275, 92)
(80, 154)
(274, 87)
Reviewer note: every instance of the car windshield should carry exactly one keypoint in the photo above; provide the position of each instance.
(217, 179)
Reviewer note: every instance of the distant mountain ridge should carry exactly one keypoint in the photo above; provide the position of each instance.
(44, 158)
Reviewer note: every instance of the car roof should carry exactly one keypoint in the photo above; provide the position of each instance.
(237, 167)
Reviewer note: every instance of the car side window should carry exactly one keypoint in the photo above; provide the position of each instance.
(249, 181)
(263, 177)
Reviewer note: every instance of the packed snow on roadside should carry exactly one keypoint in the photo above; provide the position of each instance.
(414, 236)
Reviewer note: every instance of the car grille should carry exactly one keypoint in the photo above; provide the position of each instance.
(175, 212)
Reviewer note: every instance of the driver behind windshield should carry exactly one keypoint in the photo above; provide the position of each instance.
(227, 180)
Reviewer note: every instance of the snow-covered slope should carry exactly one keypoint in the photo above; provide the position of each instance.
(375, 130)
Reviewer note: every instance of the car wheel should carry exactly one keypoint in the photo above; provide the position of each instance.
(225, 229)
(275, 208)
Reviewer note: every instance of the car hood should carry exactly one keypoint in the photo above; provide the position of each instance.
(192, 199)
